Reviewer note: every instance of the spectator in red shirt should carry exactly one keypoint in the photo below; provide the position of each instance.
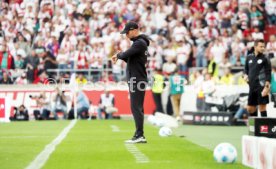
(42, 78)
(6, 59)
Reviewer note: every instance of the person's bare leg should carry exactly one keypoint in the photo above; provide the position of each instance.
(262, 109)
(252, 110)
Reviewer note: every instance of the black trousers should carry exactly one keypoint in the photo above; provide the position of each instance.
(137, 95)
(158, 102)
(81, 112)
(255, 97)
(273, 98)
(169, 106)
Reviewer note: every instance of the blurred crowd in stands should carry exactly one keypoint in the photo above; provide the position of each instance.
(62, 106)
(39, 35)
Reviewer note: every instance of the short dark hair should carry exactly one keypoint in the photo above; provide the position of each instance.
(258, 41)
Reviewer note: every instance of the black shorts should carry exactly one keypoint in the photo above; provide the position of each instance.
(255, 97)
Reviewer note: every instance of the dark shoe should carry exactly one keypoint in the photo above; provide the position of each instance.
(134, 140)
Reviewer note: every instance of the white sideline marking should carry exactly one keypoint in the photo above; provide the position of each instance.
(41, 159)
(139, 156)
(115, 128)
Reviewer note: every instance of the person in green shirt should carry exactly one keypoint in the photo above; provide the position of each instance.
(19, 62)
(176, 83)
(256, 18)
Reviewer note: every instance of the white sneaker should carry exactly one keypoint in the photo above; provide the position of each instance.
(178, 118)
(135, 140)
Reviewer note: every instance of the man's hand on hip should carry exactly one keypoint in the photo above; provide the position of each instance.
(266, 89)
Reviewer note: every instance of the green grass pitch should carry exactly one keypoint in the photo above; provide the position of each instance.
(93, 145)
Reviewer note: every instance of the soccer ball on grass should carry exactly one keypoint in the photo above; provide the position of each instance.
(225, 153)
(165, 131)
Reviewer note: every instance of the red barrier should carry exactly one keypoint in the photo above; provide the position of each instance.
(122, 102)
(2, 108)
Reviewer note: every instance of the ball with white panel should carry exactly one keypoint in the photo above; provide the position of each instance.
(159, 122)
(225, 153)
(165, 131)
(152, 119)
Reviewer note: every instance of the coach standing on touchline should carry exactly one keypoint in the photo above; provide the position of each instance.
(258, 75)
(136, 59)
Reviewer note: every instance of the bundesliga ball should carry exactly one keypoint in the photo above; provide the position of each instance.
(159, 122)
(165, 131)
(151, 119)
(225, 153)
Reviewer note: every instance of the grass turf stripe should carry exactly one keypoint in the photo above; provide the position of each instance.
(115, 128)
(41, 159)
(139, 156)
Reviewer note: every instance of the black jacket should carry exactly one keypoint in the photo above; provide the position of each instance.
(136, 58)
(258, 69)
(8, 81)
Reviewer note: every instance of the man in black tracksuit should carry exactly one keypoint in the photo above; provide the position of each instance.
(136, 59)
(258, 74)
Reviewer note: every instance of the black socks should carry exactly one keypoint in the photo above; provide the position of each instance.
(255, 114)
(264, 114)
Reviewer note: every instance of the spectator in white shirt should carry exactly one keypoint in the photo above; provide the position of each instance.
(245, 4)
(107, 105)
(218, 50)
(225, 64)
(212, 17)
(237, 48)
(225, 14)
(21, 80)
(257, 34)
(271, 46)
(179, 31)
(182, 55)
(270, 7)
(62, 59)
(236, 32)
(199, 78)
(208, 87)
(243, 19)
(199, 50)
(210, 32)
(169, 66)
